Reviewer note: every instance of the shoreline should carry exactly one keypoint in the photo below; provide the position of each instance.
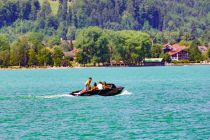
(80, 67)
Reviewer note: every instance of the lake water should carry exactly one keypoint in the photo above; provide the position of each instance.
(157, 103)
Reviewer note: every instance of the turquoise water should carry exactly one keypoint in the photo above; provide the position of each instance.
(157, 103)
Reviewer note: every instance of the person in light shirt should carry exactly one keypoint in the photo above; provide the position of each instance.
(100, 85)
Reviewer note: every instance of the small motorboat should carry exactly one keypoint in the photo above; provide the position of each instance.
(111, 90)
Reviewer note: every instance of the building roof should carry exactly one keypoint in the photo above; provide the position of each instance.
(153, 59)
(71, 53)
(174, 49)
(202, 49)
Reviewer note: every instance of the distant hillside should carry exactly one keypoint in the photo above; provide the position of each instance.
(121, 30)
(189, 18)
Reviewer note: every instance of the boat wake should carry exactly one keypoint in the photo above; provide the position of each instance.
(55, 96)
(125, 92)
(36, 97)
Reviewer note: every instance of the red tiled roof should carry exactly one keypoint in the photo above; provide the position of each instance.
(175, 48)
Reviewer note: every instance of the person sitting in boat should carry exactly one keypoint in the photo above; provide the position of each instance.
(95, 87)
(100, 85)
(104, 85)
(88, 84)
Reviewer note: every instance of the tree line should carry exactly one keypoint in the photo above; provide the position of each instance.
(103, 46)
(30, 50)
(95, 46)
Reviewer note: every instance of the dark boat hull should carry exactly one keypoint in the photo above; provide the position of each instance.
(111, 92)
(104, 92)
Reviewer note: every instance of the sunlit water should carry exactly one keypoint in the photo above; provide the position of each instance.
(157, 103)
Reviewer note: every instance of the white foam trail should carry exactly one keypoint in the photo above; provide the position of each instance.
(55, 96)
(125, 92)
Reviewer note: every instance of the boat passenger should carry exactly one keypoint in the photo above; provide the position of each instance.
(95, 87)
(100, 85)
(88, 84)
(104, 85)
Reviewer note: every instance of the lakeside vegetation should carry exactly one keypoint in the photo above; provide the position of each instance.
(95, 45)
(104, 32)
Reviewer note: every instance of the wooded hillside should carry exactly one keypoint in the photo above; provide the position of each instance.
(54, 17)
(38, 32)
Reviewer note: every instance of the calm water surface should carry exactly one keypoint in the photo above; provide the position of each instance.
(158, 103)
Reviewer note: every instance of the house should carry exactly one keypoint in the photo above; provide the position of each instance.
(176, 51)
(202, 49)
(71, 54)
(154, 62)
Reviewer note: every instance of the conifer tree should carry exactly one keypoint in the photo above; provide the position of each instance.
(65, 9)
(45, 10)
(60, 10)
(33, 13)
(69, 16)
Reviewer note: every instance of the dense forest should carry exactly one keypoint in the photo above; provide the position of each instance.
(191, 17)
(36, 25)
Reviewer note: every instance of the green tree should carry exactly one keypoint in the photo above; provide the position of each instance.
(102, 51)
(62, 30)
(71, 33)
(53, 41)
(156, 50)
(35, 40)
(60, 10)
(146, 49)
(82, 58)
(146, 26)
(19, 52)
(135, 43)
(128, 21)
(32, 57)
(208, 53)
(34, 9)
(93, 46)
(65, 9)
(52, 22)
(44, 57)
(5, 58)
(195, 43)
(195, 54)
(166, 57)
(4, 50)
(4, 42)
(58, 56)
(115, 43)
(69, 15)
